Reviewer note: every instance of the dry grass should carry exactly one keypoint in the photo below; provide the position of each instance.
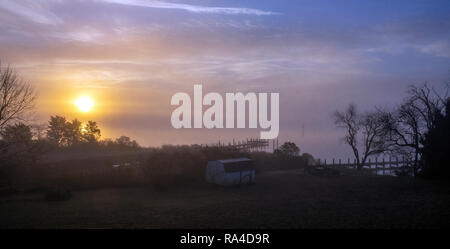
(278, 200)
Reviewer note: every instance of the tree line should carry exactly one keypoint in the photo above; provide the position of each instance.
(61, 133)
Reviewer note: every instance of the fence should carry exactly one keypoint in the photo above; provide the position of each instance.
(251, 145)
(392, 166)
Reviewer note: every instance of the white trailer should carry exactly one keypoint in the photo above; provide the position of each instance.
(231, 172)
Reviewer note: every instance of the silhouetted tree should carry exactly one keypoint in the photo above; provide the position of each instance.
(17, 133)
(91, 132)
(365, 133)
(16, 97)
(17, 140)
(407, 125)
(73, 132)
(107, 142)
(16, 100)
(436, 150)
(309, 159)
(126, 142)
(17, 148)
(288, 149)
(56, 130)
(63, 133)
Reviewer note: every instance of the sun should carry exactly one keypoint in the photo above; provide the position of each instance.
(84, 104)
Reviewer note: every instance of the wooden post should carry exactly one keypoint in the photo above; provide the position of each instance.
(376, 165)
(383, 165)
(390, 165)
(333, 161)
(348, 162)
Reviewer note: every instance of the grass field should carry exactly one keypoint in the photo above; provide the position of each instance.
(279, 200)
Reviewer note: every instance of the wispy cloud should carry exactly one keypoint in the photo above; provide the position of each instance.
(192, 8)
(32, 10)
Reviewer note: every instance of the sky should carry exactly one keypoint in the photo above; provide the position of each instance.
(131, 56)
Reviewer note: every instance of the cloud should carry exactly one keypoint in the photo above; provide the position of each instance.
(32, 10)
(438, 48)
(192, 8)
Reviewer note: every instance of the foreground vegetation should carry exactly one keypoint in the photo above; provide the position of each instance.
(288, 199)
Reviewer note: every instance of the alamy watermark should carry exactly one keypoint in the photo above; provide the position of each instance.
(213, 117)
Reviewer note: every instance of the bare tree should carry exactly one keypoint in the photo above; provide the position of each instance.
(365, 133)
(16, 97)
(407, 125)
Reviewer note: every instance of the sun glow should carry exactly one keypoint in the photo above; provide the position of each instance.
(84, 104)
